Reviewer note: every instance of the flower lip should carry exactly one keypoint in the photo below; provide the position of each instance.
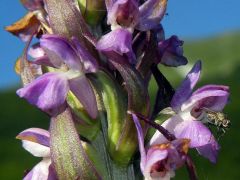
(160, 160)
(123, 13)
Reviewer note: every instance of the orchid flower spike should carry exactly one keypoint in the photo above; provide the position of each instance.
(190, 114)
(36, 141)
(160, 160)
(72, 61)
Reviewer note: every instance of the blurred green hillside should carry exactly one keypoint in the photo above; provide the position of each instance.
(221, 65)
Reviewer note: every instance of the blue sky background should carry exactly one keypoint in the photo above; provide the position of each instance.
(187, 18)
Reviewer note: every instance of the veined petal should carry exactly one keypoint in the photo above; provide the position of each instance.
(119, 41)
(185, 90)
(36, 135)
(213, 97)
(82, 89)
(140, 141)
(151, 13)
(48, 92)
(40, 171)
(198, 133)
(60, 47)
(89, 62)
(201, 138)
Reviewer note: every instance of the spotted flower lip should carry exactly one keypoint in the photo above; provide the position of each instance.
(36, 141)
(189, 108)
(160, 160)
(49, 91)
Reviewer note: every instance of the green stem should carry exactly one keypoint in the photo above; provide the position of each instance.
(114, 172)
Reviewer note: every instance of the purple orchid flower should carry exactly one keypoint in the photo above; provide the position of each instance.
(190, 114)
(160, 160)
(124, 16)
(49, 91)
(36, 141)
(170, 52)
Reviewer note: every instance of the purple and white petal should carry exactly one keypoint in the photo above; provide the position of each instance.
(40, 171)
(35, 141)
(151, 13)
(119, 41)
(185, 90)
(82, 89)
(89, 62)
(213, 97)
(48, 92)
(59, 49)
(36, 135)
(140, 141)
